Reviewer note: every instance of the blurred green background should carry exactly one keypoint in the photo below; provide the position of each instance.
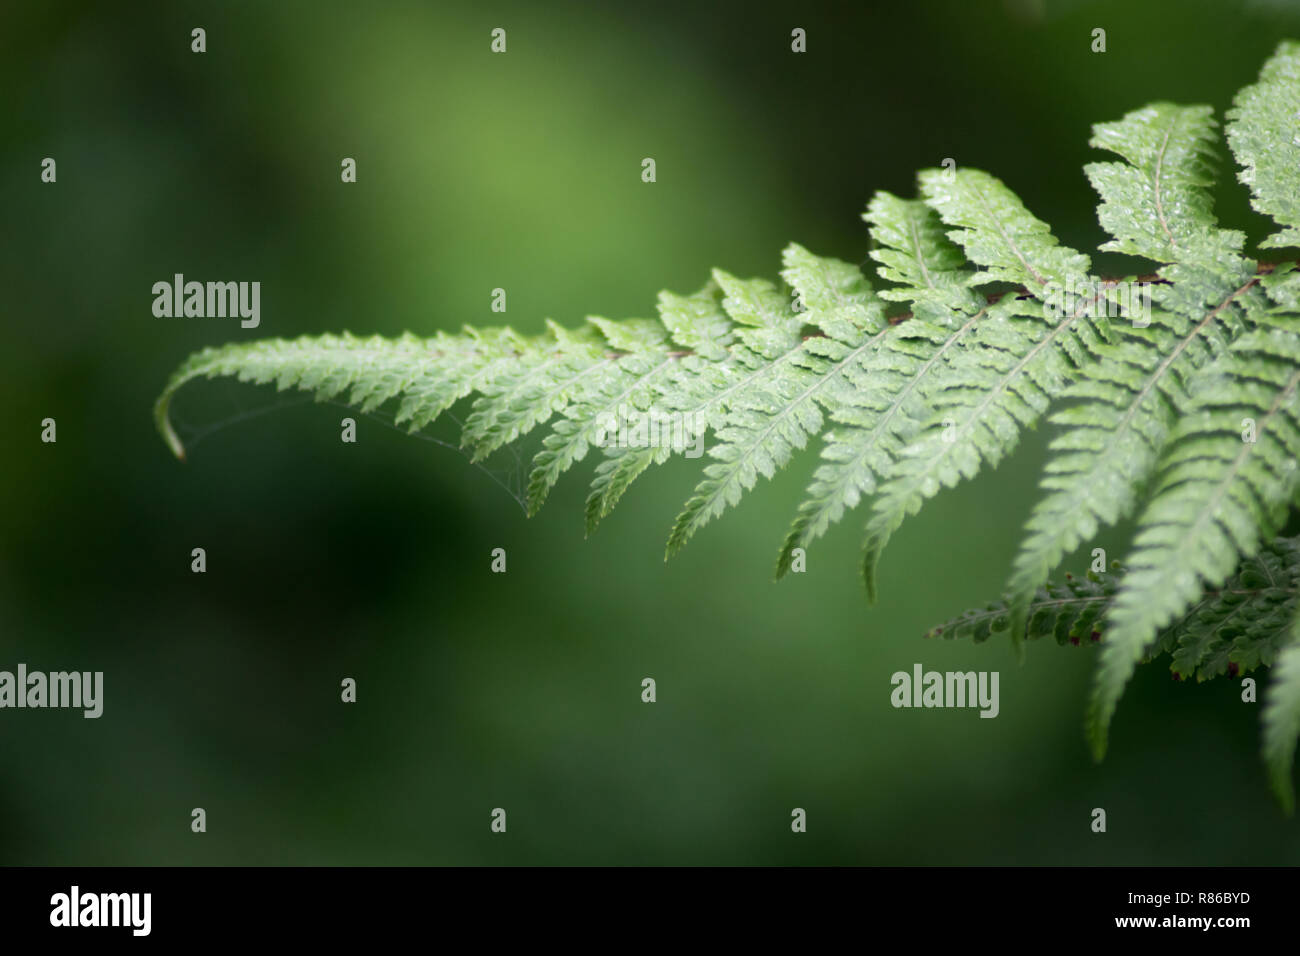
(371, 561)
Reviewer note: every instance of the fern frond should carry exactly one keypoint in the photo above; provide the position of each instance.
(762, 342)
(698, 324)
(1282, 720)
(629, 382)
(882, 412)
(1231, 630)
(1219, 493)
(1283, 288)
(775, 416)
(997, 232)
(1264, 133)
(428, 375)
(1004, 376)
(1217, 496)
(1242, 625)
(1188, 419)
(1070, 611)
(542, 382)
(1156, 205)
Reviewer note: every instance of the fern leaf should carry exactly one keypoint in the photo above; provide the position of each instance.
(1191, 420)
(1242, 625)
(614, 475)
(1282, 720)
(1070, 612)
(429, 375)
(1216, 497)
(1156, 205)
(882, 412)
(589, 418)
(774, 417)
(997, 231)
(698, 383)
(1233, 629)
(762, 343)
(1283, 288)
(1004, 376)
(1264, 133)
(697, 322)
(540, 384)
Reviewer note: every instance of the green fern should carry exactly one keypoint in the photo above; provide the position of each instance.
(1001, 378)
(1234, 629)
(1123, 407)
(1252, 620)
(885, 410)
(776, 413)
(1217, 497)
(1185, 419)
(1282, 719)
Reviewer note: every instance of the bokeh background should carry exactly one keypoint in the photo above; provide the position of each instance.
(371, 561)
